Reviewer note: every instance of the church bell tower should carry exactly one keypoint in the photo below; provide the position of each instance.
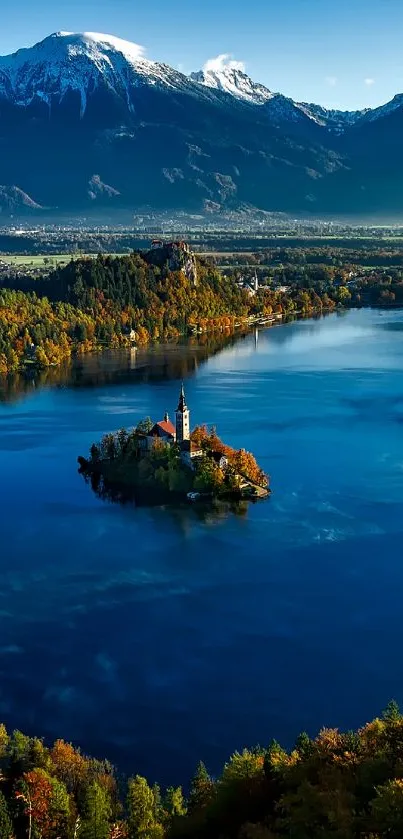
(182, 419)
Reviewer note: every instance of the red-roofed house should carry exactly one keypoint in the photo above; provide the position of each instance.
(164, 430)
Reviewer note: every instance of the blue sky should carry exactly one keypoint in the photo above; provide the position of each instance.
(340, 53)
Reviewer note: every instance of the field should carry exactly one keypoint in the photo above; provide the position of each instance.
(38, 260)
(44, 260)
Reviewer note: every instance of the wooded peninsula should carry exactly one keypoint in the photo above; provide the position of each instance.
(99, 302)
(94, 303)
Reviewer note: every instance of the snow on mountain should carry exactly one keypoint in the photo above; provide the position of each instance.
(68, 61)
(222, 73)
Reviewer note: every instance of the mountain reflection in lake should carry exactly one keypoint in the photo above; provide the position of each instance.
(160, 636)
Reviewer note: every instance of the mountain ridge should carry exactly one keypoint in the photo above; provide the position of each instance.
(86, 116)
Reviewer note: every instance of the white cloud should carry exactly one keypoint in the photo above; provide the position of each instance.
(331, 80)
(223, 62)
(369, 82)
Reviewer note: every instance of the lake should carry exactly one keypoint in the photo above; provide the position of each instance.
(160, 636)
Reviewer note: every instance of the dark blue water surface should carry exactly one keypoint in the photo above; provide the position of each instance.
(157, 637)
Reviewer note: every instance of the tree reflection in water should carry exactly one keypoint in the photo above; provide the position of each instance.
(157, 362)
(210, 511)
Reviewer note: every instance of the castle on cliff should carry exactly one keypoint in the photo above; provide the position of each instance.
(176, 255)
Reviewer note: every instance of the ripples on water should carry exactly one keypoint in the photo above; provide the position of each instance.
(161, 636)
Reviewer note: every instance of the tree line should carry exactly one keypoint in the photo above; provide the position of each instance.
(337, 785)
(110, 301)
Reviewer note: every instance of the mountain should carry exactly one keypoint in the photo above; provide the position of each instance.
(334, 120)
(14, 200)
(87, 118)
(237, 83)
(234, 81)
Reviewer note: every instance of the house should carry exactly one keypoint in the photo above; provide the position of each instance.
(164, 431)
(220, 459)
(190, 452)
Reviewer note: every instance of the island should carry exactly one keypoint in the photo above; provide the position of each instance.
(160, 461)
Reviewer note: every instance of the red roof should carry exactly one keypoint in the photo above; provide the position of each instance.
(167, 427)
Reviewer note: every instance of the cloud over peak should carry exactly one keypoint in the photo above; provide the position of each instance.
(222, 62)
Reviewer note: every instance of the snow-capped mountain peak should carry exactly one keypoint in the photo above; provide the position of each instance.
(96, 42)
(80, 62)
(233, 80)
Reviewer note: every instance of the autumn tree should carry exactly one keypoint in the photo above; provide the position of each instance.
(69, 765)
(37, 793)
(199, 435)
(245, 464)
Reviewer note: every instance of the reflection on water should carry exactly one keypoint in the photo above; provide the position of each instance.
(181, 511)
(157, 362)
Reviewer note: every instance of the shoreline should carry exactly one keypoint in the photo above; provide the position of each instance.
(30, 369)
(30, 366)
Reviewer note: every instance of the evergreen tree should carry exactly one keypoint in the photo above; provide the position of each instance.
(6, 827)
(156, 790)
(60, 807)
(304, 744)
(201, 790)
(97, 813)
(174, 804)
(392, 711)
(140, 808)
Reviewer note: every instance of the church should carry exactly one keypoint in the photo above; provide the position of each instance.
(179, 433)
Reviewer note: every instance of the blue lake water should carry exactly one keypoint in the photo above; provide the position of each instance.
(158, 637)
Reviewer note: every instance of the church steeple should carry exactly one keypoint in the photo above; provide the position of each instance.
(182, 400)
(182, 418)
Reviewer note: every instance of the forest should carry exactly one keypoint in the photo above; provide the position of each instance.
(109, 301)
(333, 786)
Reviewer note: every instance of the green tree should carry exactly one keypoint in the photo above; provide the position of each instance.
(174, 804)
(97, 813)
(304, 744)
(156, 790)
(6, 827)
(392, 712)
(387, 809)
(140, 808)
(4, 740)
(201, 790)
(144, 426)
(60, 807)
